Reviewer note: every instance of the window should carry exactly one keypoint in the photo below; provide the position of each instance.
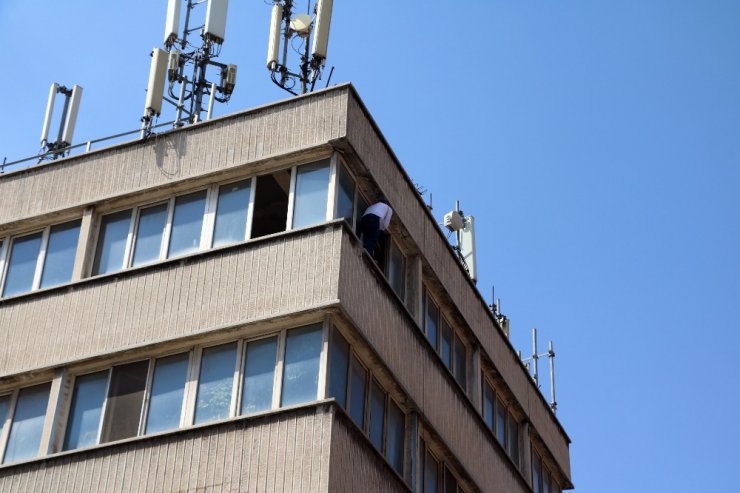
(187, 224)
(431, 320)
(149, 233)
(216, 383)
(396, 437)
(397, 269)
(271, 203)
(357, 392)
(311, 194)
(488, 404)
(445, 340)
(431, 472)
(259, 375)
(86, 409)
(124, 400)
(536, 473)
(111, 250)
(26, 422)
(377, 415)
(339, 363)
(513, 439)
(168, 391)
(232, 213)
(460, 366)
(450, 481)
(445, 343)
(362, 206)
(301, 367)
(501, 422)
(40, 260)
(61, 250)
(345, 195)
(501, 430)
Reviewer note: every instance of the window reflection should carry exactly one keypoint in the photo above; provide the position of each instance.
(24, 255)
(28, 424)
(338, 362)
(149, 234)
(216, 383)
(111, 248)
(301, 368)
(86, 409)
(345, 195)
(60, 254)
(187, 224)
(168, 389)
(259, 375)
(311, 194)
(231, 213)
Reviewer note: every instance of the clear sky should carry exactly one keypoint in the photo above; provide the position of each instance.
(596, 143)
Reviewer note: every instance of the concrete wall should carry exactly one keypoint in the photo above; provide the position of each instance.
(414, 216)
(263, 278)
(282, 452)
(366, 299)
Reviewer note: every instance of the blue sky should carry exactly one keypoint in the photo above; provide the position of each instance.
(595, 142)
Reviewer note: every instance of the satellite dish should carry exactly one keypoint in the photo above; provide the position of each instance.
(301, 24)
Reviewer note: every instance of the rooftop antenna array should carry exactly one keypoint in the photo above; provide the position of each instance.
(464, 228)
(183, 66)
(311, 34)
(502, 319)
(60, 146)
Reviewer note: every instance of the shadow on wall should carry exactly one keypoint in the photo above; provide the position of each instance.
(167, 164)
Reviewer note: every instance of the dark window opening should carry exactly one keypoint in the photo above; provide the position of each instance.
(271, 203)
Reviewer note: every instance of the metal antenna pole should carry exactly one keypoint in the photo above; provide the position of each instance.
(551, 357)
(535, 357)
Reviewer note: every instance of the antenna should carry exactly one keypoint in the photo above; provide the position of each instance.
(534, 360)
(67, 122)
(464, 229)
(299, 27)
(185, 64)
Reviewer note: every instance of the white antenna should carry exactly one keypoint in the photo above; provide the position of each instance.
(187, 65)
(300, 25)
(323, 23)
(59, 147)
(215, 28)
(464, 229)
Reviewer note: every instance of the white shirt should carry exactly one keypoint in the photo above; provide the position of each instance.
(383, 211)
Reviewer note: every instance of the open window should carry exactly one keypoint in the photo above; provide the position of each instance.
(271, 203)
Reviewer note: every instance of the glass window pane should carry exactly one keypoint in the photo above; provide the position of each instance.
(377, 413)
(22, 264)
(259, 375)
(125, 398)
(345, 195)
(112, 242)
(216, 383)
(301, 367)
(86, 409)
(431, 470)
(4, 408)
(168, 389)
(450, 482)
(460, 370)
(60, 254)
(545, 481)
(231, 213)
(397, 270)
(311, 194)
(28, 424)
(338, 362)
(149, 234)
(445, 343)
(488, 400)
(501, 422)
(431, 321)
(357, 393)
(536, 474)
(396, 436)
(362, 206)
(187, 223)
(513, 439)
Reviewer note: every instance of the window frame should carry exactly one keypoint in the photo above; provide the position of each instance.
(6, 250)
(10, 417)
(339, 162)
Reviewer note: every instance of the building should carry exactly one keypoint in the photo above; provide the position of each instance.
(194, 312)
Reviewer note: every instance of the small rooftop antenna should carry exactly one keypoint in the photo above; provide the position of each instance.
(464, 228)
(182, 63)
(502, 319)
(58, 147)
(301, 28)
(534, 367)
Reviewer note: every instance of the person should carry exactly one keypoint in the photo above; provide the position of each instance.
(376, 218)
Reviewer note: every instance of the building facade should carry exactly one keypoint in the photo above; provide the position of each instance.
(195, 312)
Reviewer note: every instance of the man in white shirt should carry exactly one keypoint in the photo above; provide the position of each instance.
(376, 218)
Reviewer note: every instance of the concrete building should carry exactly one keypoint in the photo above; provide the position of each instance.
(194, 312)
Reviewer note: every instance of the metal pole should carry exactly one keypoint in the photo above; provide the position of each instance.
(551, 356)
(210, 102)
(535, 357)
(180, 103)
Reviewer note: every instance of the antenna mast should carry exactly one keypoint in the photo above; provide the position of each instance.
(314, 33)
(186, 64)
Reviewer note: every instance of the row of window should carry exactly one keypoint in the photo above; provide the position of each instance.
(542, 480)
(445, 340)
(369, 406)
(501, 422)
(156, 395)
(215, 216)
